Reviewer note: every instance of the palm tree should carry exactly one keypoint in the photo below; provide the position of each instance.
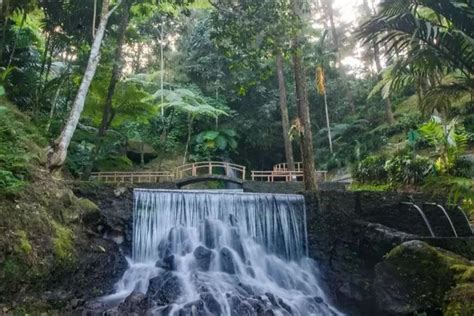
(323, 57)
(431, 40)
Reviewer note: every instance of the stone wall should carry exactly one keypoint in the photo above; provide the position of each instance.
(349, 233)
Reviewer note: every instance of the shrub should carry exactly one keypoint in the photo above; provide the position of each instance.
(371, 170)
(18, 150)
(463, 167)
(404, 169)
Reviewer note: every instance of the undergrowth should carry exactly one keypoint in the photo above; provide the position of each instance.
(20, 147)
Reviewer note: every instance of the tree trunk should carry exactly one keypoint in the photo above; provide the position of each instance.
(328, 125)
(285, 121)
(303, 107)
(188, 140)
(108, 112)
(6, 15)
(57, 151)
(388, 104)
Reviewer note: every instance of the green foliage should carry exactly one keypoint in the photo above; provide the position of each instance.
(190, 101)
(405, 169)
(459, 190)
(214, 144)
(371, 170)
(449, 139)
(437, 43)
(17, 149)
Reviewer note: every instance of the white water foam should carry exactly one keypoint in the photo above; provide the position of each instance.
(226, 254)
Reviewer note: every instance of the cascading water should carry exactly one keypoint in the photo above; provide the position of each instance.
(217, 253)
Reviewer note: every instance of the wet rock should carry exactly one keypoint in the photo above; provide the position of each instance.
(318, 299)
(257, 305)
(250, 271)
(227, 261)
(211, 234)
(135, 303)
(269, 312)
(236, 243)
(233, 220)
(239, 307)
(165, 288)
(170, 262)
(94, 307)
(194, 308)
(272, 299)
(203, 258)
(285, 306)
(179, 238)
(212, 305)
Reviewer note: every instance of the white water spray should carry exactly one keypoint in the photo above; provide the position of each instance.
(219, 253)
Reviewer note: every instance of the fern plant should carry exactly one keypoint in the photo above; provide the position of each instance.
(449, 139)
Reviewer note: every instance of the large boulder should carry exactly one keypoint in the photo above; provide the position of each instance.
(203, 258)
(416, 277)
(165, 289)
(227, 260)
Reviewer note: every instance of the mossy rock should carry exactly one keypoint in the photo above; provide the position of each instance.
(416, 277)
(88, 209)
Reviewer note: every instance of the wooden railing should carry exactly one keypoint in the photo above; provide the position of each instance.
(133, 177)
(298, 166)
(202, 169)
(287, 176)
(272, 176)
(209, 168)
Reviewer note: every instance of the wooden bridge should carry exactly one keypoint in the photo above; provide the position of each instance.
(206, 171)
(183, 175)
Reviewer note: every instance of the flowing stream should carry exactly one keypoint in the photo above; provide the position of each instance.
(222, 253)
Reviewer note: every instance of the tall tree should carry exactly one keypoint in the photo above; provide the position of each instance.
(284, 112)
(263, 38)
(302, 101)
(108, 113)
(57, 151)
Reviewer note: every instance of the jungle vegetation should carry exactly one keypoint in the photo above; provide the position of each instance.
(386, 97)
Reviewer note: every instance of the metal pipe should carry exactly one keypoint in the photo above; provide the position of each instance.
(445, 214)
(464, 215)
(420, 211)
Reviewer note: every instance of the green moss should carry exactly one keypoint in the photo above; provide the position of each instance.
(370, 187)
(87, 205)
(431, 276)
(24, 245)
(460, 301)
(63, 243)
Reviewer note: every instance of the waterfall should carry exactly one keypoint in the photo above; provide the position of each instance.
(222, 253)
